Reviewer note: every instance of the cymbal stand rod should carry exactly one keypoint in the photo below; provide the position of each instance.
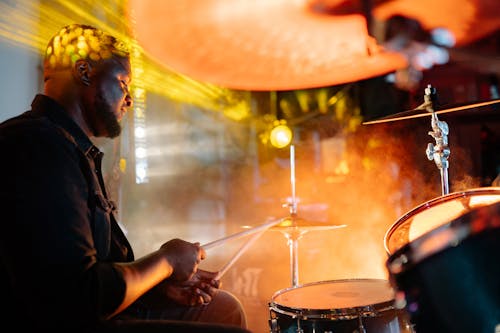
(293, 237)
(440, 151)
(293, 205)
(294, 260)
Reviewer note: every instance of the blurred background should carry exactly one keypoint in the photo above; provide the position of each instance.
(249, 111)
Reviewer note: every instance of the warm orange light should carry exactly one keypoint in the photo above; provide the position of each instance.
(259, 45)
(281, 136)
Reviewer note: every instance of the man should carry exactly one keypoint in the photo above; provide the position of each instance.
(65, 264)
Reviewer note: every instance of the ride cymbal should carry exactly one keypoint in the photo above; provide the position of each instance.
(300, 223)
(422, 111)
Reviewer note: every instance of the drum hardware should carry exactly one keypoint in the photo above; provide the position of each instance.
(441, 233)
(361, 328)
(273, 324)
(439, 152)
(294, 227)
(294, 235)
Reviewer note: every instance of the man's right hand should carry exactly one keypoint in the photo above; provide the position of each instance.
(184, 257)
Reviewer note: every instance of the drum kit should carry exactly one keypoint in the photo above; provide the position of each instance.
(442, 262)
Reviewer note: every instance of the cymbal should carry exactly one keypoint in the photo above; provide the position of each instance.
(303, 224)
(260, 45)
(422, 112)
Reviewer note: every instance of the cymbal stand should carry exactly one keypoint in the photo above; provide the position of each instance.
(440, 151)
(293, 234)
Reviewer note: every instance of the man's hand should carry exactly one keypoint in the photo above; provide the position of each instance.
(198, 290)
(184, 258)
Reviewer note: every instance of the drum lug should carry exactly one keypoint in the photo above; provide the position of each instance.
(362, 330)
(273, 324)
(361, 326)
(299, 329)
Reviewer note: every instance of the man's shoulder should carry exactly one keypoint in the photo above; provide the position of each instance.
(29, 129)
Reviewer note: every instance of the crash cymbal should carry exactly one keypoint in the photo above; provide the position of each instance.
(422, 112)
(260, 45)
(303, 224)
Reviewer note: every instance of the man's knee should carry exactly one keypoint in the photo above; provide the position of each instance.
(229, 308)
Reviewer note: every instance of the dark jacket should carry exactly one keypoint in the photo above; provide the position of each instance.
(58, 234)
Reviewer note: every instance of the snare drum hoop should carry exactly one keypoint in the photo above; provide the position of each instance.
(370, 310)
(395, 229)
(448, 235)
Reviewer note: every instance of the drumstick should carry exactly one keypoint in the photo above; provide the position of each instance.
(244, 233)
(238, 254)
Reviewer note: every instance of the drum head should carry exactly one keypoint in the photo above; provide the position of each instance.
(328, 299)
(435, 213)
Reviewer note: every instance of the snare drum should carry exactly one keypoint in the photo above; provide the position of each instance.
(355, 305)
(448, 278)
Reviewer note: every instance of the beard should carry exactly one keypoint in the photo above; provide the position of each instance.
(107, 117)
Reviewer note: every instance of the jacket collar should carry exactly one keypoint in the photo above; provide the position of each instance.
(44, 105)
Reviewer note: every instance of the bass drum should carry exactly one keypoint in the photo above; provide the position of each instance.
(448, 278)
(341, 306)
(435, 213)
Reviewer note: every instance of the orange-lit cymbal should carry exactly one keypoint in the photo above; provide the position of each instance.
(422, 112)
(300, 223)
(260, 45)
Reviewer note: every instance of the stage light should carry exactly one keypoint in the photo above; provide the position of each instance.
(140, 132)
(443, 37)
(141, 172)
(280, 136)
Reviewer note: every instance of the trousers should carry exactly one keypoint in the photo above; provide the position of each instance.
(224, 313)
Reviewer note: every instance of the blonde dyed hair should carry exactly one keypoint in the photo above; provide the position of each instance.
(78, 41)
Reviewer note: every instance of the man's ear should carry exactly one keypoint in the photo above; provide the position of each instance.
(81, 71)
